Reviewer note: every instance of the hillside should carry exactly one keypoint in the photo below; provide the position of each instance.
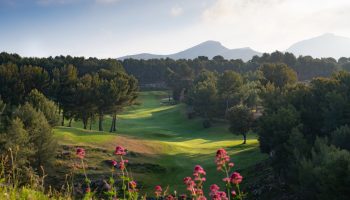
(164, 145)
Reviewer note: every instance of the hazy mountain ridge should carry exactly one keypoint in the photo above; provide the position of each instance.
(326, 45)
(208, 48)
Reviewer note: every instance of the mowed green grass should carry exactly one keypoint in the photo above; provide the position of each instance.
(162, 135)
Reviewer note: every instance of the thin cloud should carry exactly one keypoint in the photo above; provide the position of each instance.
(274, 24)
(106, 1)
(52, 2)
(176, 11)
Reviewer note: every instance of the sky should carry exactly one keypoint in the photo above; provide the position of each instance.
(114, 28)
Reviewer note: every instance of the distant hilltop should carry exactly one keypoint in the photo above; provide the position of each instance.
(208, 49)
(326, 45)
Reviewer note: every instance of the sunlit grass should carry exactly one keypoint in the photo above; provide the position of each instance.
(163, 135)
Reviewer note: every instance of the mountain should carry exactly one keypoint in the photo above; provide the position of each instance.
(208, 48)
(327, 45)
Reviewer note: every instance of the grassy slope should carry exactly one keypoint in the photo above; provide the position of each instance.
(161, 134)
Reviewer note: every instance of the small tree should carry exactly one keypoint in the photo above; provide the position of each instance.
(241, 119)
(17, 138)
(40, 135)
(47, 107)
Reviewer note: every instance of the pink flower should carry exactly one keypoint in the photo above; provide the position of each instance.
(119, 150)
(114, 163)
(169, 197)
(222, 194)
(158, 190)
(122, 164)
(214, 188)
(227, 180)
(190, 184)
(236, 178)
(233, 193)
(231, 164)
(80, 153)
(132, 184)
(187, 180)
(199, 170)
(215, 194)
(201, 198)
(199, 192)
(221, 158)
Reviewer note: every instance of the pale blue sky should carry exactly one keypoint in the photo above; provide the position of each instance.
(113, 28)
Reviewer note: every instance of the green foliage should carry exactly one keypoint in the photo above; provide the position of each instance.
(2, 109)
(47, 107)
(294, 129)
(278, 74)
(250, 93)
(18, 139)
(40, 135)
(179, 79)
(204, 94)
(341, 137)
(326, 174)
(241, 120)
(229, 88)
(276, 127)
(12, 89)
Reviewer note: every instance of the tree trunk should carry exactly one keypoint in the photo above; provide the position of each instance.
(62, 123)
(244, 138)
(100, 122)
(85, 119)
(111, 129)
(85, 123)
(90, 121)
(115, 123)
(70, 122)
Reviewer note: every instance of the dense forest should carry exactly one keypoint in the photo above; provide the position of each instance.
(299, 107)
(306, 67)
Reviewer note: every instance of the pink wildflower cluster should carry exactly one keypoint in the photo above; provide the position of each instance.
(158, 191)
(222, 160)
(132, 186)
(236, 178)
(80, 153)
(198, 173)
(215, 194)
(121, 165)
(119, 150)
(195, 185)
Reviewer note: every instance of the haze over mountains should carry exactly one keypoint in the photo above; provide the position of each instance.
(208, 48)
(327, 45)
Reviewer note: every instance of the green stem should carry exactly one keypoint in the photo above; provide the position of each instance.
(239, 192)
(227, 184)
(123, 183)
(86, 178)
(82, 162)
